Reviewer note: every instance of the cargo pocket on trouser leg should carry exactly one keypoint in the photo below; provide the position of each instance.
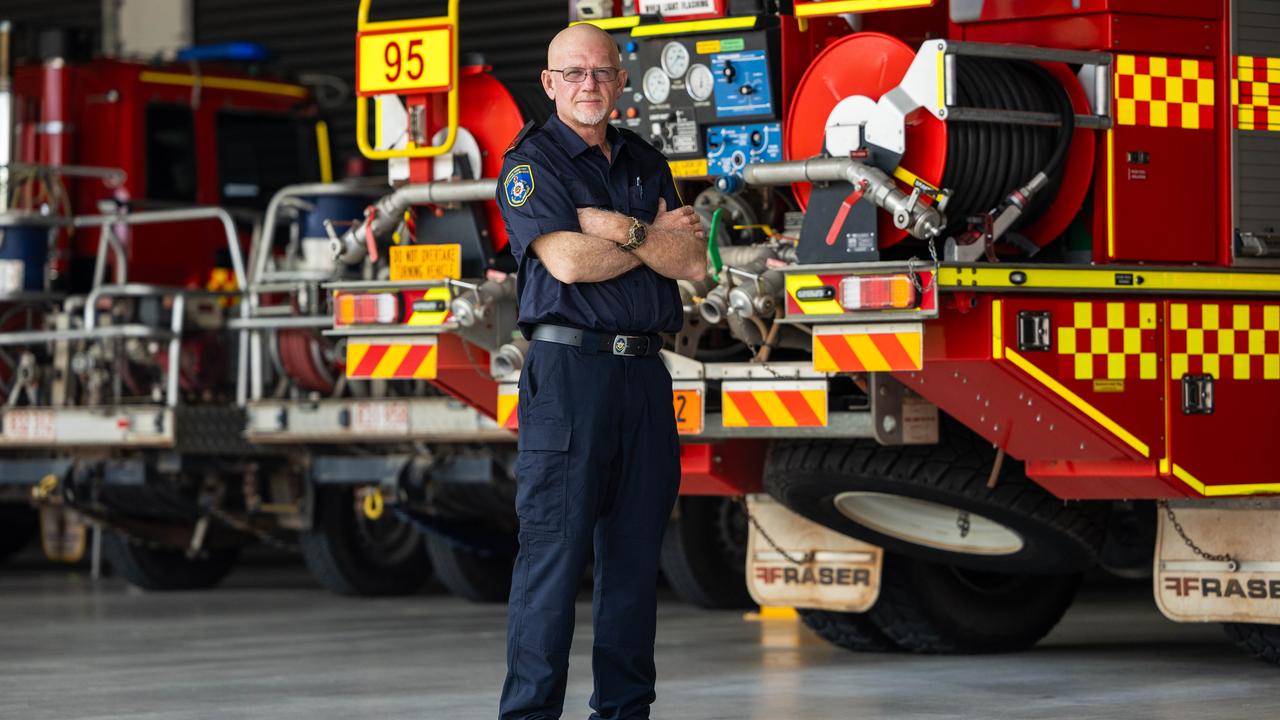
(541, 471)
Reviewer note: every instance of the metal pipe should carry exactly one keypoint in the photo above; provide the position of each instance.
(351, 247)
(258, 251)
(152, 217)
(6, 116)
(920, 220)
(175, 350)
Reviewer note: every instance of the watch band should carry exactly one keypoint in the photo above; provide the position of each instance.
(635, 236)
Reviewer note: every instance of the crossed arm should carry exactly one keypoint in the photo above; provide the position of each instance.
(675, 247)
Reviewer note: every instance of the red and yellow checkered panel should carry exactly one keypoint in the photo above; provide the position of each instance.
(1164, 92)
(1255, 93)
(1227, 341)
(1111, 341)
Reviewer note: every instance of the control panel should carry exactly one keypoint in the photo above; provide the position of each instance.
(707, 101)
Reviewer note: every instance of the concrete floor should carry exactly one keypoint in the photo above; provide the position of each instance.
(270, 645)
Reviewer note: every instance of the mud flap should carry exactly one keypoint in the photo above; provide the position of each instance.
(837, 572)
(1190, 588)
(63, 534)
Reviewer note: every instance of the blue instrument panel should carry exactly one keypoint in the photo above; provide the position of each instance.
(732, 147)
(742, 83)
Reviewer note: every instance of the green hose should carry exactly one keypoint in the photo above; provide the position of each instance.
(713, 245)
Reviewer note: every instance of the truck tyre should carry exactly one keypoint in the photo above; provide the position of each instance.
(350, 554)
(851, 631)
(158, 569)
(929, 608)
(468, 574)
(932, 502)
(18, 525)
(1261, 642)
(704, 553)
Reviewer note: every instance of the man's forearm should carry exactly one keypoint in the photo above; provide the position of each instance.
(578, 257)
(669, 253)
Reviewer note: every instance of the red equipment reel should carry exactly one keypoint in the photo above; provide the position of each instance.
(867, 64)
(302, 353)
(489, 111)
(871, 64)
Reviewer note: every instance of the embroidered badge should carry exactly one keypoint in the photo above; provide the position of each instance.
(519, 185)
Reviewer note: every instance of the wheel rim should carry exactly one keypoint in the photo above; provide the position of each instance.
(929, 524)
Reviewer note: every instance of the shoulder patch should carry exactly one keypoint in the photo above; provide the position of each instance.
(520, 136)
(518, 185)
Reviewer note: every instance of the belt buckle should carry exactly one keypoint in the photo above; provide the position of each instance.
(630, 345)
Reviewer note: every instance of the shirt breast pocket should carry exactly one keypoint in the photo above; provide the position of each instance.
(585, 195)
(643, 198)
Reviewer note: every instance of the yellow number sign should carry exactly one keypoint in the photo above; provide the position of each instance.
(408, 60)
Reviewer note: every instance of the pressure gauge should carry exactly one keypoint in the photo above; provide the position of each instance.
(675, 59)
(657, 86)
(700, 82)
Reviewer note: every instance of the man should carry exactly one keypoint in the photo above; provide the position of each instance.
(600, 237)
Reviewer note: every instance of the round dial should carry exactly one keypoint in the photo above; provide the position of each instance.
(675, 59)
(700, 82)
(657, 86)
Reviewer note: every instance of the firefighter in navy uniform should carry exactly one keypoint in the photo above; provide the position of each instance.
(600, 237)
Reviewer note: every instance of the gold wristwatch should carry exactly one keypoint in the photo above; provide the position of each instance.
(635, 236)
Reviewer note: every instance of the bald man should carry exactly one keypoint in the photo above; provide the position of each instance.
(600, 237)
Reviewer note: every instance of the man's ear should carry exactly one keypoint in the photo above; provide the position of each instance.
(547, 85)
(622, 82)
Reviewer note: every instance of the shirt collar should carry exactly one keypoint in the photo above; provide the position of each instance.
(574, 143)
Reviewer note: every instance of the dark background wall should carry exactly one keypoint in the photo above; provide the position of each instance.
(317, 37)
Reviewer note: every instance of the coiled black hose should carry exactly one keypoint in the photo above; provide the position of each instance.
(986, 161)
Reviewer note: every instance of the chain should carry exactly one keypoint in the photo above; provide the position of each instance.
(913, 263)
(1232, 564)
(266, 538)
(804, 559)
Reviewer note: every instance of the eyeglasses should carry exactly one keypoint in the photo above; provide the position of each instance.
(577, 74)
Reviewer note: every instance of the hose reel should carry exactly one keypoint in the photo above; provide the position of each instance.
(998, 137)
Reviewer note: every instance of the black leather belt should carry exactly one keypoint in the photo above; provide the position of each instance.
(594, 342)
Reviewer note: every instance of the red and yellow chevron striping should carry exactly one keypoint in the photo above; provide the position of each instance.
(508, 397)
(390, 359)
(769, 404)
(868, 348)
(1255, 93)
(1164, 92)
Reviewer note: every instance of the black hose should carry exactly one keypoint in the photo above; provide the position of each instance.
(531, 100)
(987, 161)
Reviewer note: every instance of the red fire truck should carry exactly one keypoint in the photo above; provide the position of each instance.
(128, 192)
(992, 295)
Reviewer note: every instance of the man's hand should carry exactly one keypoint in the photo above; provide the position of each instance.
(682, 219)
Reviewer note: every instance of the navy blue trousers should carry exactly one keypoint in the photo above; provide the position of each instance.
(598, 468)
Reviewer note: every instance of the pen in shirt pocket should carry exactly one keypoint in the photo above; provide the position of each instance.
(639, 188)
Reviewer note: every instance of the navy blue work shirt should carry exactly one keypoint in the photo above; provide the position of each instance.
(546, 176)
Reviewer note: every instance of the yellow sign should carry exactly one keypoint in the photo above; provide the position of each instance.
(426, 262)
(689, 168)
(410, 60)
(688, 409)
(1108, 385)
(707, 47)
